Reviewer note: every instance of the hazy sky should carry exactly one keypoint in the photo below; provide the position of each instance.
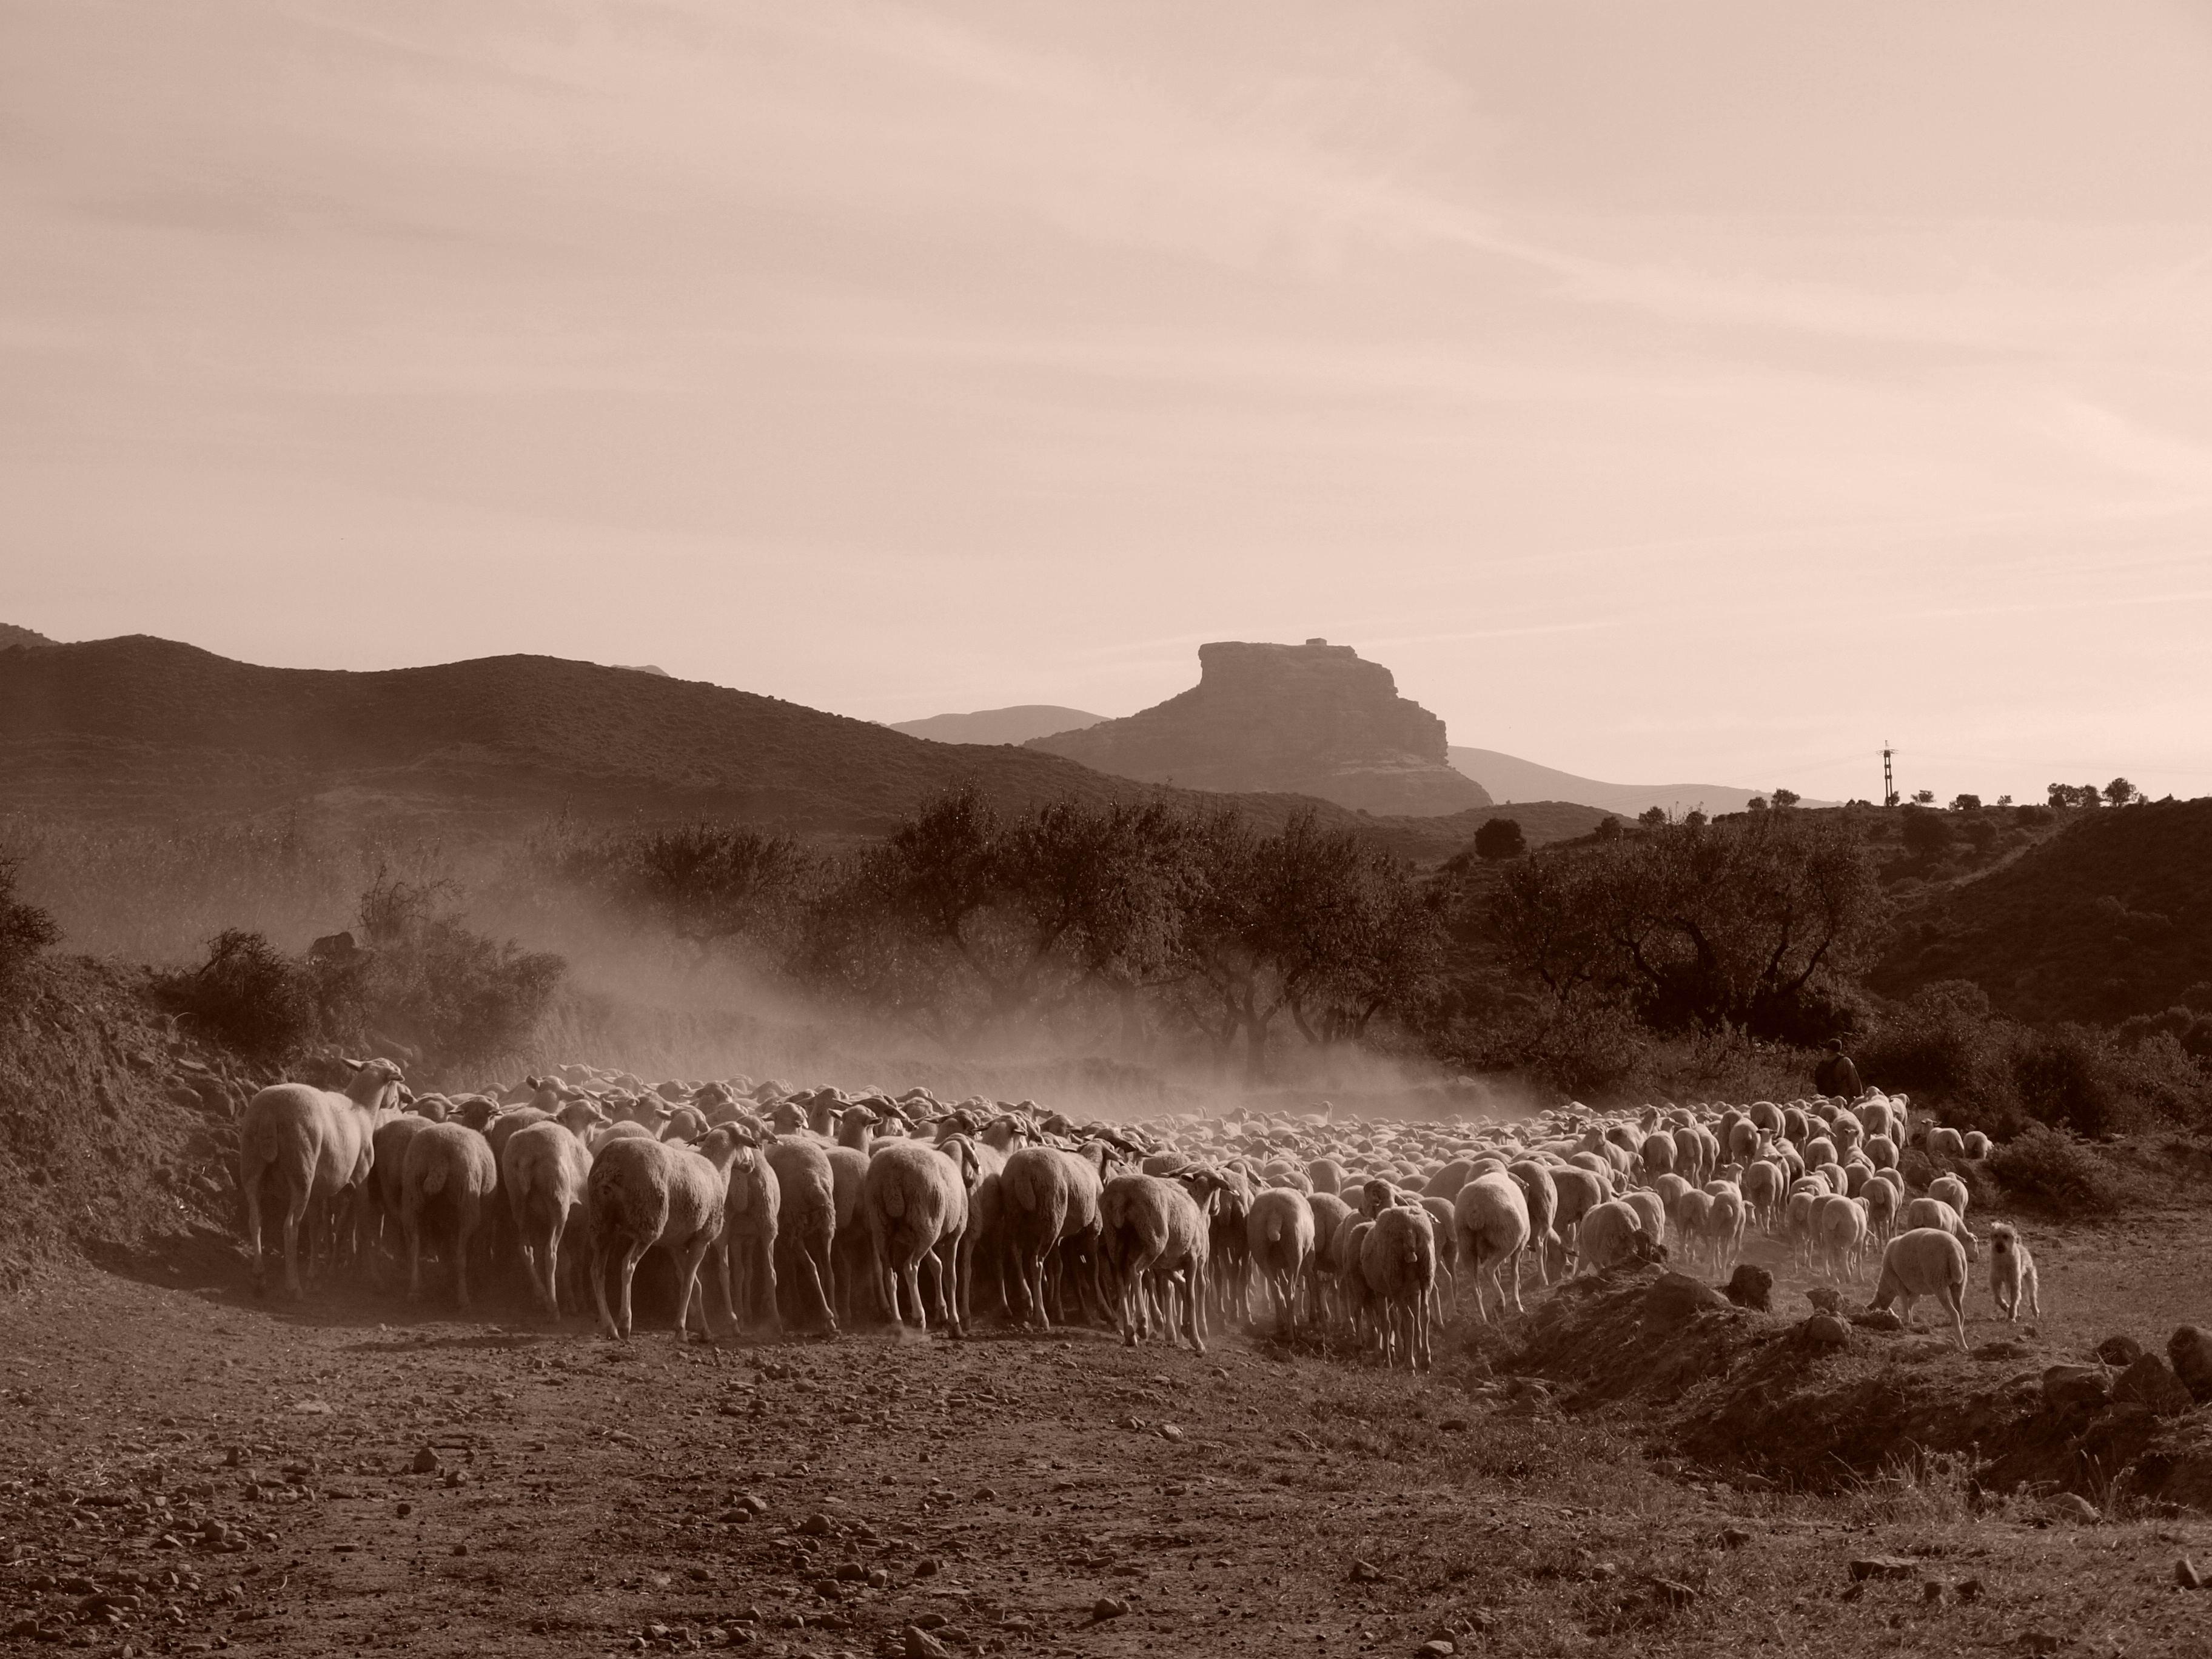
(1662, 390)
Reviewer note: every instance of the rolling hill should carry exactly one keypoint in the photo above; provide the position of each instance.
(148, 730)
(1016, 724)
(1508, 778)
(12, 636)
(2110, 917)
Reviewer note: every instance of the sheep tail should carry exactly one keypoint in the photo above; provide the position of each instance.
(893, 1202)
(1024, 1192)
(434, 1179)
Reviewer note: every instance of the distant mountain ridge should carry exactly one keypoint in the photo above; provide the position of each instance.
(10, 635)
(1018, 723)
(148, 730)
(1508, 778)
(1312, 720)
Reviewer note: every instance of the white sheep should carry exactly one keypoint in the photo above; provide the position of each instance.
(1608, 1236)
(544, 1167)
(1542, 1195)
(1148, 1225)
(448, 1175)
(1839, 1231)
(298, 1145)
(1398, 1263)
(1952, 1191)
(1279, 1231)
(646, 1193)
(753, 1206)
(1925, 1262)
(1924, 1213)
(916, 1206)
(1490, 1222)
(806, 1225)
(2012, 1273)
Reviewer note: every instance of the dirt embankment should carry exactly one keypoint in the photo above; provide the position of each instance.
(1819, 1404)
(116, 1132)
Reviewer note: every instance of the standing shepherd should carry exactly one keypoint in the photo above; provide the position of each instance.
(1835, 1075)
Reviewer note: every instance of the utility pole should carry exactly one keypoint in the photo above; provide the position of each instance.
(1888, 781)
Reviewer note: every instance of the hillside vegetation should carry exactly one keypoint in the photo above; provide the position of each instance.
(2109, 919)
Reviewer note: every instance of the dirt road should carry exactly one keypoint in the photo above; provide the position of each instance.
(184, 1470)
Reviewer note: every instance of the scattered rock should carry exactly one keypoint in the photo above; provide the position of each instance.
(1734, 1538)
(1970, 1590)
(2072, 1506)
(1825, 1299)
(2042, 1641)
(1825, 1330)
(1878, 1319)
(1437, 1646)
(1883, 1566)
(1931, 1589)
(2186, 1575)
(1170, 1432)
(2120, 1351)
(1751, 1288)
(926, 1567)
(1366, 1572)
(426, 1461)
(2191, 1352)
(816, 1525)
(2066, 1386)
(456, 1477)
(920, 1644)
(1107, 1606)
(2151, 1382)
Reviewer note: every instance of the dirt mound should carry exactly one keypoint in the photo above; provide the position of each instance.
(1818, 1405)
(115, 1136)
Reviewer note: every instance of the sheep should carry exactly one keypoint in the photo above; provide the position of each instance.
(1490, 1225)
(1150, 1225)
(641, 1193)
(1946, 1143)
(1049, 1196)
(544, 1167)
(1605, 1239)
(1579, 1191)
(1977, 1146)
(1279, 1231)
(1881, 1151)
(1881, 1200)
(1724, 1222)
(1952, 1191)
(1543, 1197)
(753, 1206)
(1838, 1234)
(1924, 1212)
(448, 1173)
(1398, 1263)
(1762, 1193)
(1326, 1174)
(1690, 1222)
(1649, 1211)
(1658, 1152)
(1797, 1225)
(309, 1143)
(807, 1221)
(916, 1206)
(1925, 1262)
(378, 1202)
(1331, 1215)
(2012, 1271)
(1446, 1183)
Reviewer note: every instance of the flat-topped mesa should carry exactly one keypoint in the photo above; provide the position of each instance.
(1310, 719)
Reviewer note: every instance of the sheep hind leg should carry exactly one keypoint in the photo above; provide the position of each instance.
(690, 1293)
(295, 1214)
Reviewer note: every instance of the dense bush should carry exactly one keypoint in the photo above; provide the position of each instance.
(2050, 1167)
(25, 929)
(455, 996)
(248, 996)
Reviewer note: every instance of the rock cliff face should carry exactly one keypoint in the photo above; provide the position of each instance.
(1310, 720)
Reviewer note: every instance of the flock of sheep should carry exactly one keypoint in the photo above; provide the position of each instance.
(818, 1207)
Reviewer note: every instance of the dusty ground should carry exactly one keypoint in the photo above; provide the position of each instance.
(182, 1468)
